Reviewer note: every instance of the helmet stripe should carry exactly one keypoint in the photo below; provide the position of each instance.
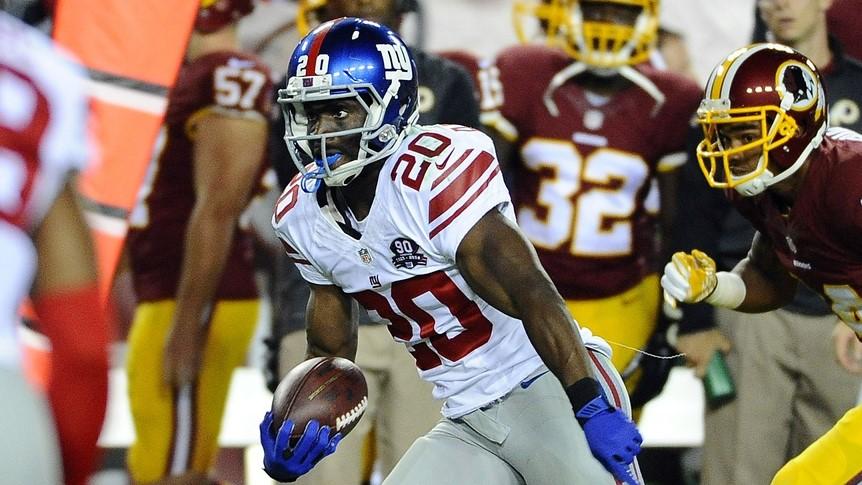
(317, 44)
(724, 78)
(721, 75)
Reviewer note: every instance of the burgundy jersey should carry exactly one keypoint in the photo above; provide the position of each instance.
(820, 240)
(586, 164)
(227, 83)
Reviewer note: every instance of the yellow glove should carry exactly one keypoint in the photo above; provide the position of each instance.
(689, 278)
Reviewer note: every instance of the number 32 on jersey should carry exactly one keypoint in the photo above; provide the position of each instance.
(596, 220)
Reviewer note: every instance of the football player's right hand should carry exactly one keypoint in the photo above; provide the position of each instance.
(286, 464)
(689, 278)
(613, 438)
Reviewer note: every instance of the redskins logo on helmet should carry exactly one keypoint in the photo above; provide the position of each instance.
(773, 96)
(604, 34)
(216, 14)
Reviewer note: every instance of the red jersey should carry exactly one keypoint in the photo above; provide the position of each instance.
(820, 240)
(583, 174)
(229, 83)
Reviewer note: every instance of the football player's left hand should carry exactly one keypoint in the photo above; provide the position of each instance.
(286, 464)
(690, 278)
(613, 438)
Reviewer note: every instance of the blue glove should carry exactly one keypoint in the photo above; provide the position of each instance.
(613, 438)
(285, 464)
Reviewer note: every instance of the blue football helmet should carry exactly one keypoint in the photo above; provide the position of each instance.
(356, 59)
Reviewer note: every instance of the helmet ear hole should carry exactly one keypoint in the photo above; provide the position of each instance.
(367, 98)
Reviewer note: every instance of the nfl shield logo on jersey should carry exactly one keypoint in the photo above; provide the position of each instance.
(407, 254)
(365, 256)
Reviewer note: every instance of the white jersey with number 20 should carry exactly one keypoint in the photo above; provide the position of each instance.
(430, 193)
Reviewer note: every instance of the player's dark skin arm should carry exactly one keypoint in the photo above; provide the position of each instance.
(768, 285)
(331, 329)
(502, 267)
(227, 154)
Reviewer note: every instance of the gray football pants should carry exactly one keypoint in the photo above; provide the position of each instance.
(29, 451)
(529, 437)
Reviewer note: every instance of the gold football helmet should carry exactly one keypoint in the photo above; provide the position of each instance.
(764, 102)
(600, 33)
(306, 16)
(311, 13)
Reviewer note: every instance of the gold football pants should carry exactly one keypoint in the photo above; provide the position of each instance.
(177, 430)
(628, 318)
(834, 459)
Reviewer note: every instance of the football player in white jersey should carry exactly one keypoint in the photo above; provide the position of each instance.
(45, 249)
(415, 224)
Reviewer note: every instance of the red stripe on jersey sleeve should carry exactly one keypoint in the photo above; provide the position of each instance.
(469, 201)
(452, 168)
(615, 398)
(456, 190)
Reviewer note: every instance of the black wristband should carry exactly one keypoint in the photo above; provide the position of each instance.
(582, 392)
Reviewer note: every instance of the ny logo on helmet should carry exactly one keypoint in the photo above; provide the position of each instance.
(396, 61)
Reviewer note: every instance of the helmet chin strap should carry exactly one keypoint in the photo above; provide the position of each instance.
(763, 181)
(311, 179)
(349, 171)
(755, 186)
(344, 176)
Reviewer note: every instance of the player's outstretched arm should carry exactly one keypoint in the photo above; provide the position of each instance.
(768, 285)
(757, 284)
(501, 266)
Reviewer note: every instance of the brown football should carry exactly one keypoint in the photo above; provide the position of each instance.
(331, 390)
